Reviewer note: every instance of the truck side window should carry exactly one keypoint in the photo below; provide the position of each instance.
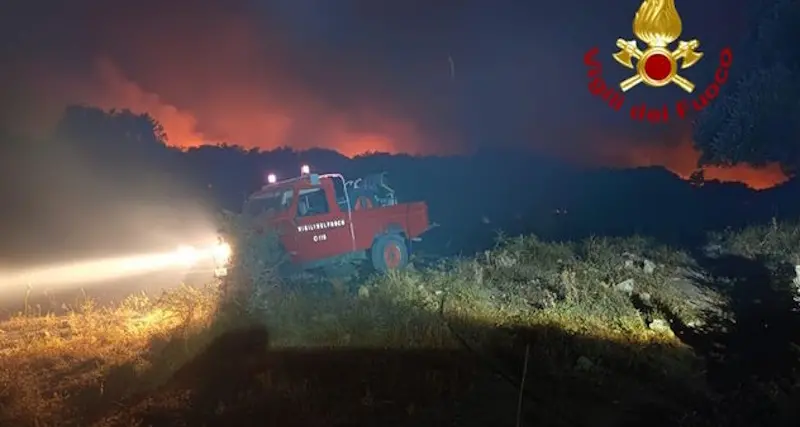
(264, 203)
(312, 202)
(338, 188)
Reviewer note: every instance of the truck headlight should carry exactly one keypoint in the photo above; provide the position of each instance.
(222, 253)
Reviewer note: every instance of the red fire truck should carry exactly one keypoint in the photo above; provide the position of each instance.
(324, 220)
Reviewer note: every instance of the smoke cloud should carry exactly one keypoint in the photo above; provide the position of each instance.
(354, 76)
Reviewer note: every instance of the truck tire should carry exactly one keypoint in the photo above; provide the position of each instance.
(389, 253)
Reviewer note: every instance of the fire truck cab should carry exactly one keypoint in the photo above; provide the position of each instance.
(324, 219)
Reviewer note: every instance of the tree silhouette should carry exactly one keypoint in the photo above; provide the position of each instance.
(118, 137)
(755, 120)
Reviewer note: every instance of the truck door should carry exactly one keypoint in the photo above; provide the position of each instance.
(271, 211)
(323, 230)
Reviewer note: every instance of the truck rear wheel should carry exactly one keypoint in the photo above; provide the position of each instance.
(389, 252)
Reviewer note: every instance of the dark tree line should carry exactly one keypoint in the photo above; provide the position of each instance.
(101, 166)
(756, 119)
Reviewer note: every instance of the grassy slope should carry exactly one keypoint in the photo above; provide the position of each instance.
(421, 346)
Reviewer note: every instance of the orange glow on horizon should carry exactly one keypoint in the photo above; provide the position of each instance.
(301, 127)
(350, 134)
(681, 159)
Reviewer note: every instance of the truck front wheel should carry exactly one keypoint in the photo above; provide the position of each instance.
(389, 252)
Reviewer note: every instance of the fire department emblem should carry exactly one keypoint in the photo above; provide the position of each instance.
(657, 25)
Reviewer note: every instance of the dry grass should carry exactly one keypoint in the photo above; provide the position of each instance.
(778, 240)
(51, 365)
(58, 369)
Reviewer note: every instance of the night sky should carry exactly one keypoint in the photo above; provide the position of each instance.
(357, 75)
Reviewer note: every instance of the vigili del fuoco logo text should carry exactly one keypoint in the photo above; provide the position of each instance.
(657, 25)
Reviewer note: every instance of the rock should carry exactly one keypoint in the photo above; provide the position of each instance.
(629, 255)
(584, 364)
(633, 261)
(696, 324)
(712, 250)
(649, 267)
(630, 260)
(626, 286)
(645, 297)
(660, 326)
(363, 292)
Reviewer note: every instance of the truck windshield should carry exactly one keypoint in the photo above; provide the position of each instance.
(268, 203)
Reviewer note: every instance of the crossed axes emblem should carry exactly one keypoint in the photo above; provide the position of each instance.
(686, 52)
